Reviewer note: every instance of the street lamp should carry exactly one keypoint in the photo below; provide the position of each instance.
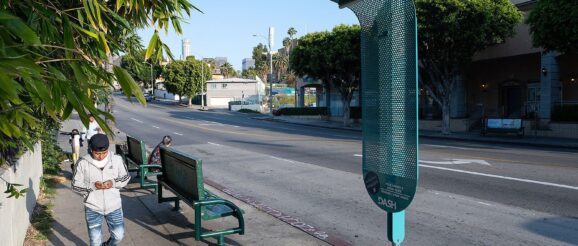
(270, 54)
(152, 79)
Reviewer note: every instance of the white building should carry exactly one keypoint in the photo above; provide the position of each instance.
(186, 49)
(221, 92)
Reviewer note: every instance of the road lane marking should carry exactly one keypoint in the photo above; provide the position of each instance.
(136, 120)
(213, 144)
(281, 159)
(358, 155)
(176, 133)
(456, 162)
(447, 147)
(267, 136)
(503, 177)
(156, 127)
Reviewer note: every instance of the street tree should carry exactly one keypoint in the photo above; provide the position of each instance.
(450, 32)
(55, 59)
(261, 62)
(333, 57)
(185, 78)
(139, 69)
(554, 25)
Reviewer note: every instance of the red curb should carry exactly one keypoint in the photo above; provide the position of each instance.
(295, 222)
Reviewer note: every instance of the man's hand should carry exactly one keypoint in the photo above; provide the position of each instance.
(103, 185)
(107, 184)
(98, 185)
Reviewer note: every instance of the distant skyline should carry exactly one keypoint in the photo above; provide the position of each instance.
(226, 27)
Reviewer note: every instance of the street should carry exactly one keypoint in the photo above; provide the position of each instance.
(469, 193)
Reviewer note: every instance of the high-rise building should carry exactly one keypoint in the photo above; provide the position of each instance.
(186, 49)
(248, 63)
(219, 61)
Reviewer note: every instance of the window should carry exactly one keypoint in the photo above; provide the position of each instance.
(224, 86)
(213, 86)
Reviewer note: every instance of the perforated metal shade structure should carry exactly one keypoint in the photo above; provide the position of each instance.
(389, 99)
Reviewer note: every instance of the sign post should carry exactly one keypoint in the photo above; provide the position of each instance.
(389, 105)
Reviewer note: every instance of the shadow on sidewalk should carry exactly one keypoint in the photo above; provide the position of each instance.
(144, 210)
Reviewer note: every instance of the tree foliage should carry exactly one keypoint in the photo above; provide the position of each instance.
(333, 57)
(554, 25)
(185, 78)
(140, 70)
(261, 62)
(54, 58)
(227, 70)
(450, 33)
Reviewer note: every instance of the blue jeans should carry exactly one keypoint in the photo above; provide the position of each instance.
(115, 223)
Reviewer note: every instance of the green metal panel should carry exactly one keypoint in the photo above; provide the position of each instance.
(136, 150)
(183, 173)
(389, 77)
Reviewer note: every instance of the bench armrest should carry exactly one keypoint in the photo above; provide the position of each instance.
(217, 201)
(150, 165)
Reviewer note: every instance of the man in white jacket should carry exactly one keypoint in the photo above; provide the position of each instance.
(98, 177)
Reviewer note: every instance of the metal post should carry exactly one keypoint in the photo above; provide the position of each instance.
(202, 83)
(152, 81)
(271, 34)
(270, 81)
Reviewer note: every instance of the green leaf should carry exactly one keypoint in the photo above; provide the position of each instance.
(152, 45)
(67, 111)
(103, 43)
(128, 85)
(18, 28)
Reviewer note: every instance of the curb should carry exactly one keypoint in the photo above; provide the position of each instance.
(496, 141)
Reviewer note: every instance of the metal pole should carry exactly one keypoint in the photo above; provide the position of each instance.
(270, 81)
(202, 83)
(152, 81)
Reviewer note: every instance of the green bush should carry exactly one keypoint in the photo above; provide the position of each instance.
(565, 113)
(302, 111)
(52, 154)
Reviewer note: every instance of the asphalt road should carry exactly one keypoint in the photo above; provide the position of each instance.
(533, 179)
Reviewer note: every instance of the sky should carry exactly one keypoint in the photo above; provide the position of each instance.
(226, 27)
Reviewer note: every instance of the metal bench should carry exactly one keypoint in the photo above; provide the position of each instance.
(183, 175)
(503, 126)
(134, 156)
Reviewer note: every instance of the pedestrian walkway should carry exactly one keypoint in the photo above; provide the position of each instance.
(527, 140)
(149, 223)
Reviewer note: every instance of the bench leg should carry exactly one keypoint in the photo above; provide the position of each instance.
(177, 206)
(221, 239)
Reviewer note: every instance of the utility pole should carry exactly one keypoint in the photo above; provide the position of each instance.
(271, 36)
(202, 84)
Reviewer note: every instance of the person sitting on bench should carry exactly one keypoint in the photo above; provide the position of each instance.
(155, 157)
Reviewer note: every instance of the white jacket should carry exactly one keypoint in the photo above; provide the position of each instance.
(86, 174)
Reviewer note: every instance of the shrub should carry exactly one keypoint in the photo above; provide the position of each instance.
(301, 111)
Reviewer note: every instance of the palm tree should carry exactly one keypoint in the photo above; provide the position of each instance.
(227, 70)
(280, 63)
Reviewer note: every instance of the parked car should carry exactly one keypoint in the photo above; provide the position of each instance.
(148, 97)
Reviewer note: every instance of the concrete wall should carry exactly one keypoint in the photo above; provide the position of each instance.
(232, 90)
(15, 213)
(255, 107)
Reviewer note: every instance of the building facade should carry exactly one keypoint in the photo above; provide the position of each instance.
(248, 63)
(186, 49)
(221, 92)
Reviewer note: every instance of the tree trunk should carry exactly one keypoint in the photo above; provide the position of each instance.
(190, 101)
(446, 116)
(346, 111)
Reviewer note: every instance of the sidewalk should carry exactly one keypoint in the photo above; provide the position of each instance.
(527, 140)
(150, 223)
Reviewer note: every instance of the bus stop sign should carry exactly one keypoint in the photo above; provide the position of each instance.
(389, 104)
